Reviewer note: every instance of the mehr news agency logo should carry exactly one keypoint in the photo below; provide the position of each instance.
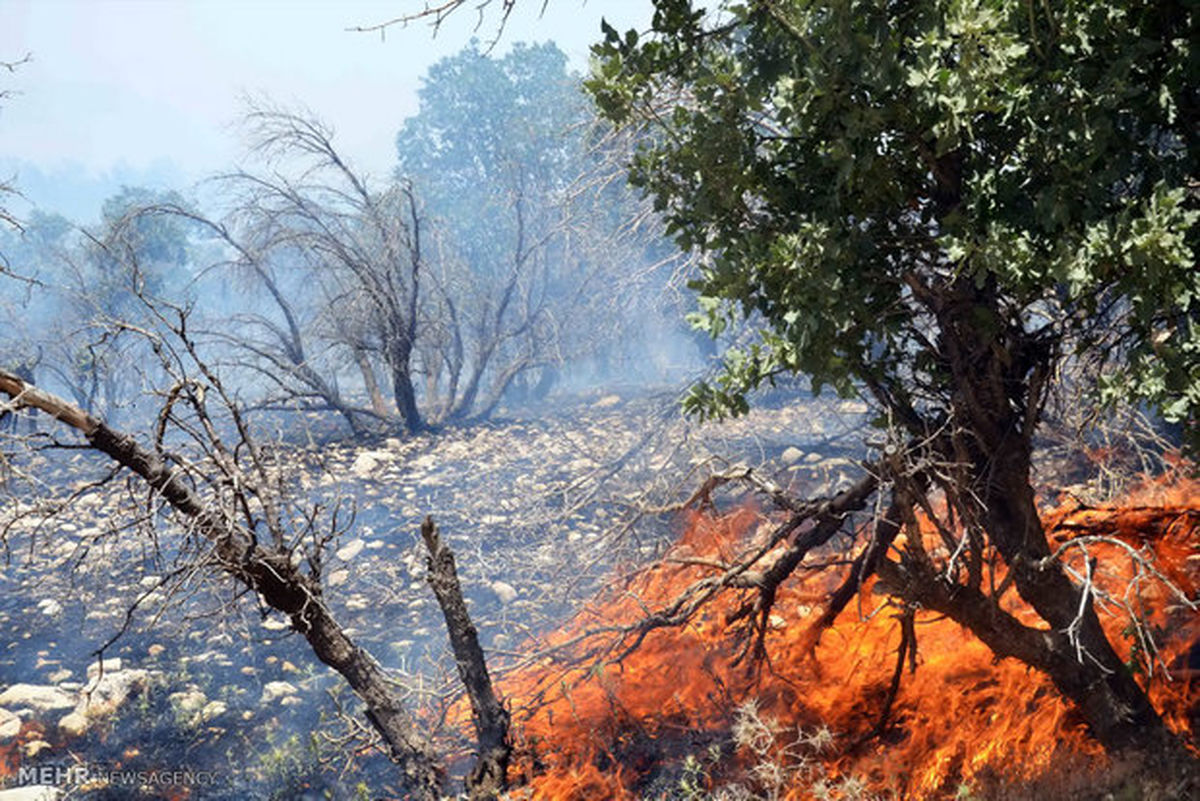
(96, 775)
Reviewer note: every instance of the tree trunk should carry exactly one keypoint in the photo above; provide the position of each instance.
(489, 775)
(368, 373)
(995, 410)
(403, 391)
(1094, 676)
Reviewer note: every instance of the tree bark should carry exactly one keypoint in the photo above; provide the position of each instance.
(368, 373)
(489, 776)
(995, 410)
(403, 391)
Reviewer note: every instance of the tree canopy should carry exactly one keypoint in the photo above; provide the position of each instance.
(846, 161)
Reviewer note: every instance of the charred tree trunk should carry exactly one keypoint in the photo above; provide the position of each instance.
(403, 391)
(489, 776)
(270, 573)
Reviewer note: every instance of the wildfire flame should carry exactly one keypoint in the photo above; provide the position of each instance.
(585, 728)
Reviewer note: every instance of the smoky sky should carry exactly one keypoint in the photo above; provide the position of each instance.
(138, 83)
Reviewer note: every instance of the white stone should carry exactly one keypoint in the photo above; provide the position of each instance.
(74, 724)
(188, 701)
(504, 591)
(32, 749)
(106, 695)
(213, 709)
(32, 792)
(50, 607)
(338, 577)
(791, 455)
(350, 550)
(110, 666)
(10, 726)
(38, 697)
(368, 463)
(274, 690)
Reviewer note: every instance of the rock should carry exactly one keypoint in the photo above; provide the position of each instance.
(275, 624)
(59, 676)
(357, 603)
(350, 550)
(50, 607)
(188, 701)
(38, 697)
(413, 564)
(105, 695)
(10, 726)
(368, 463)
(607, 401)
(110, 666)
(32, 792)
(32, 749)
(504, 591)
(791, 455)
(213, 709)
(274, 690)
(155, 649)
(74, 724)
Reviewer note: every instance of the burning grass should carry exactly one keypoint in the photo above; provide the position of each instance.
(685, 714)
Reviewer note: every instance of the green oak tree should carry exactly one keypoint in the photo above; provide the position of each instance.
(937, 205)
(534, 248)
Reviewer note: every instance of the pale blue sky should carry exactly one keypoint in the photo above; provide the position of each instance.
(137, 82)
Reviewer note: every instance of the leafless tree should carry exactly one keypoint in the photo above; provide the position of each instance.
(237, 518)
(435, 13)
(354, 251)
(6, 187)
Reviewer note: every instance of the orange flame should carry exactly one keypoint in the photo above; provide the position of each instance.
(587, 728)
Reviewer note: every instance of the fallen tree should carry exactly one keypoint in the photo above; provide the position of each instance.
(232, 523)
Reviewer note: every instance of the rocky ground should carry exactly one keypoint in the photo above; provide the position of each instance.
(539, 510)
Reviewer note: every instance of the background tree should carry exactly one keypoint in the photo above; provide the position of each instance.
(934, 205)
(76, 285)
(533, 253)
(340, 263)
(7, 218)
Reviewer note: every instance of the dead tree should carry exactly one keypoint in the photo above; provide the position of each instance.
(356, 249)
(271, 569)
(489, 776)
